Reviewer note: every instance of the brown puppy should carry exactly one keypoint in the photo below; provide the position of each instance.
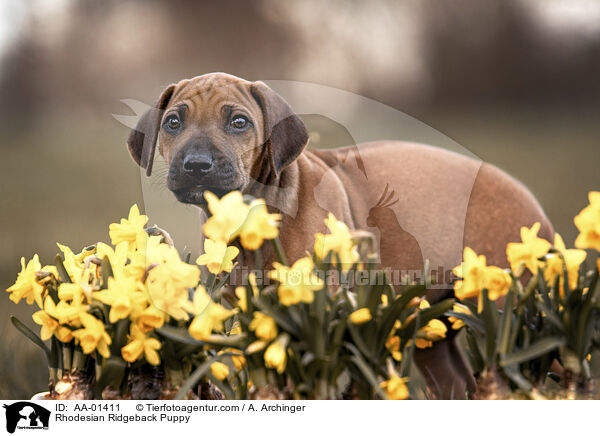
(220, 133)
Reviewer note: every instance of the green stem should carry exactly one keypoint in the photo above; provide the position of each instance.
(281, 257)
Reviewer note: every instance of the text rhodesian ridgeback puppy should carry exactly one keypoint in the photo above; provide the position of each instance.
(221, 133)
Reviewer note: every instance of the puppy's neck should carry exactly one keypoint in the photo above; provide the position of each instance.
(281, 192)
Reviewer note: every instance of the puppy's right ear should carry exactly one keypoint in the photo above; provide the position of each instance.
(142, 140)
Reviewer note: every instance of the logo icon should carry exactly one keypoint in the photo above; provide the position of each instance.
(26, 415)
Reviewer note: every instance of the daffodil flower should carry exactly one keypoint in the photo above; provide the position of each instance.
(339, 241)
(471, 271)
(209, 315)
(259, 225)
(42, 317)
(123, 296)
(150, 318)
(140, 343)
(219, 370)
(554, 264)
(395, 388)
(497, 281)
(529, 250)
(227, 216)
(276, 356)
(361, 316)
(433, 331)
(217, 256)
(296, 283)
(393, 345)
(26, 285)
(92, 336)
(130, 230)
(263, 326)
(237, 357)
(457, 324)
(588, 224)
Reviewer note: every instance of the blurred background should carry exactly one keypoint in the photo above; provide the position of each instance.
(516, 82)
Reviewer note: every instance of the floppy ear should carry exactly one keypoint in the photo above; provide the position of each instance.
(285, 133)
(142, 140)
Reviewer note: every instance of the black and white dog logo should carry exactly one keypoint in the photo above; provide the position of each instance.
(26, 415)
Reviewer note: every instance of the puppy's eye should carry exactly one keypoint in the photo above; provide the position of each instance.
(239, 122)
(172, 122)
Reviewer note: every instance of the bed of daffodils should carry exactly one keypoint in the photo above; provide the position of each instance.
(136, 320)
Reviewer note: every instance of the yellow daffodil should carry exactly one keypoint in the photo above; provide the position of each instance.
(276, 356)
(124, 297)
(152, 252)
(497, 281)
(227, 216)
(554, 264)
(42, 317)
(181, 274)
(588, 224)
(217, 256)
(361, 316)
(118, 257)
(26, 285)
(297, 283)
(219, 370)
(259, 225)
(150, 318)
(64, 334)
(130, 230)
(393, 346)
(433, 331)
(240, 293)
(70, 291)
(529, 250)
(140, 343)
(457, 324)
(67, 312)
(339, 241)
(395, 388)
(256, 346)
(72, 265)
(167, 285)
(472, 272)
(263, 326)
(92, 336)
(238, 359)
(209, 315)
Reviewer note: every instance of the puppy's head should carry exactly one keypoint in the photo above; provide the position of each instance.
(218, 132)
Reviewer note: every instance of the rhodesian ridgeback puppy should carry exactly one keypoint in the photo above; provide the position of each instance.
(221, 133)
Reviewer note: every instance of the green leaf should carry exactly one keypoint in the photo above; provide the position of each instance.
(365, 369)
(477, 361)
(533, 351)
(513, 373)
(62, 271)
(550, 315)
(284, 322)
(32, 337)
(470, 321)
(395, 308)
(194, 378)
(112, 374)
(490, 319)
(360, 343)
(505, 323)
(183, 337)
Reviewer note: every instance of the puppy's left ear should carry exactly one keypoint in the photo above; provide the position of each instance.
(142, 140)
(284, 132)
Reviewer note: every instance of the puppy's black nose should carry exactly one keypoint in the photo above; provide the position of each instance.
(198, 163)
